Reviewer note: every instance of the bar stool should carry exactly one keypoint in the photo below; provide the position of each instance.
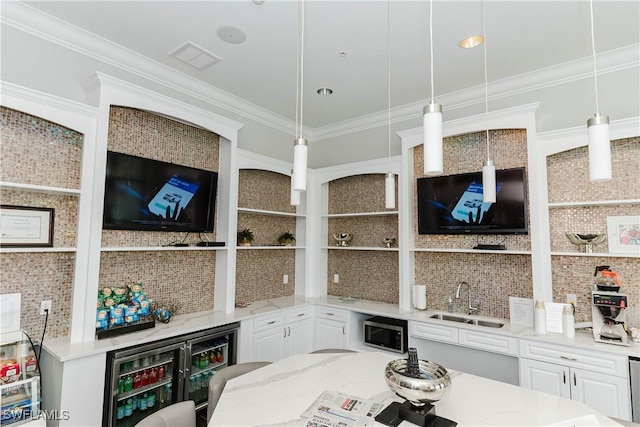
(181, 414)
(220, 378)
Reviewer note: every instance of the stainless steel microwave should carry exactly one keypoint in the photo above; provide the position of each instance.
(386, 333)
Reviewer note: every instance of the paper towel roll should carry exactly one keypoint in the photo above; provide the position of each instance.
(420, 296)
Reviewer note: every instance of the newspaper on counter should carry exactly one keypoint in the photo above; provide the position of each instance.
(332, 409)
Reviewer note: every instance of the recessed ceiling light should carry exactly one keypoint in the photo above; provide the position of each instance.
(231, 35)
(471, 41)
(325, 91)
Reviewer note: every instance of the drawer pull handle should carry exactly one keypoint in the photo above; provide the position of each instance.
(301, 314)
(564, 377)
(343, 331)
(271, 323)
(329, 314)
(575, 383)
(568, 358)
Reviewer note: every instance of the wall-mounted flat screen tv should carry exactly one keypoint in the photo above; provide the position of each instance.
(453, 204)
(145, 194)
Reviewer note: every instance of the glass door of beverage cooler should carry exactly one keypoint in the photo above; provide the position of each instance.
(207, 355)
(144, 380)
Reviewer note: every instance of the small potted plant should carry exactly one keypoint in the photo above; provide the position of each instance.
(245, 237)
(286, 239)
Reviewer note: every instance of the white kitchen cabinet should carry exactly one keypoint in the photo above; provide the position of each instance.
(331, 328)
(282, 334)
(599, 382)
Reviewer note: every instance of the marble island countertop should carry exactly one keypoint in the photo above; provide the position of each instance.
(63, 350)
(280, 393)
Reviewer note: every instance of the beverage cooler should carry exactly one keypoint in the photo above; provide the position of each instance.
(143, 379)
(19, 381)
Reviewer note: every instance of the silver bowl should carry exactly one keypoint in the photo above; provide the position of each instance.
(586, 242)
(342, 239)
(433, 384)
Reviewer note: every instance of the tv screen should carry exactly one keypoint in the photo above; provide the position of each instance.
(145, 194)
(453, 204)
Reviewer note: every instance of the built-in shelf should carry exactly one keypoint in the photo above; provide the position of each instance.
(269, 247)
(266, 212)
(39, 188)
(350, 215)
(37, 250)
(596, 254)
(360, 248)
(595, 203)
(160, 248)
(473, 251)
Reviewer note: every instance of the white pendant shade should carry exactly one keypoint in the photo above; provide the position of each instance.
(390, 191)
(432, 128)
(489, 182)
(299, 178)
(599, 148)
(295, 195)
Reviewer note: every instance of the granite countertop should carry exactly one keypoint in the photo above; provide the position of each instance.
(281, 392)
(62, 349)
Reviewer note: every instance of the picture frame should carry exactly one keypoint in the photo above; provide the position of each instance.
(623, 234)
(26, 227)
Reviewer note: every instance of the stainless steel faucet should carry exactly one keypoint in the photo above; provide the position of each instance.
(470, 308)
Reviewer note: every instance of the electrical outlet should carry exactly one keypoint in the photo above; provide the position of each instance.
(572, 299)
(336, 278)
(285, 279)
(45, 305)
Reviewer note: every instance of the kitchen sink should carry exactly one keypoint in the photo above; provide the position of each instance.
(469, 320)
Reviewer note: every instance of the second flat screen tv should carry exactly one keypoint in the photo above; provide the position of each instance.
(146, 194)
(453, 204)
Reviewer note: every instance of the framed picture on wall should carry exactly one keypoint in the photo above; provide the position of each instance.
(623, 233)
(25, 226)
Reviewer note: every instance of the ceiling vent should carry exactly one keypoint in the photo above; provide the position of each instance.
(194, 55)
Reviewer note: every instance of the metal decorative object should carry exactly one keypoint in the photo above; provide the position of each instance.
(586, 242)
(432, 384)
(388, 241)
(342, 239)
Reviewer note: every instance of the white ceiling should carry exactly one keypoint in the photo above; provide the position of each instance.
(527, 41)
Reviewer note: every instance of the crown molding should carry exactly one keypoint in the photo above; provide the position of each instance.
(47, 27)
(13, 94)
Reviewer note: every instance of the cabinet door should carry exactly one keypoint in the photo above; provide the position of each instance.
(330, 334)
(546, 377)
(299, 337)
(605, 393)
(268, 345)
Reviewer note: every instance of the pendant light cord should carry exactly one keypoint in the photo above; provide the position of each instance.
(300, 72)
(593, 50)
(486, 81)
(389, 76)
(431, 47)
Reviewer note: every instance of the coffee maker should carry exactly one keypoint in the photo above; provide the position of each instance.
(609, 317)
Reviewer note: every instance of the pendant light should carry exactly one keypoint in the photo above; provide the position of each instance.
(432, 122)
(489, 168)
(598, 129)
(390, 178)
(299, 178)
(295, 195)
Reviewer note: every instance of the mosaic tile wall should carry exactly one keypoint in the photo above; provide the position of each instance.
(185, 278)
(40, 152)
(145, 134)
(259, 272)
(371, 275)
(568, 180)
(493, 277)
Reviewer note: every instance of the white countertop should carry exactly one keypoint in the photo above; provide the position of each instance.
(64, 350)
(279, 393)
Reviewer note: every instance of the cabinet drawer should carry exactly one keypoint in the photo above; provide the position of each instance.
(434, 332)
(268, 321)
(605, 363)
(298, 314)
(489, 342)
(331, 313)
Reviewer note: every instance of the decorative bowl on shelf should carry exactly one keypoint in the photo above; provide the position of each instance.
(342, 239)
(388, 241)
(432, 385)
(586, 242)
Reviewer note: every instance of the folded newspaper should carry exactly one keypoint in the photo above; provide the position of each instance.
(332, 409)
